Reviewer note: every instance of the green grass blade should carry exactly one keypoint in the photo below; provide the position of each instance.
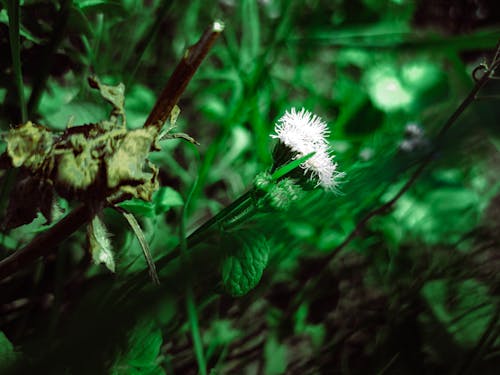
(13, 10)
(280, 172)
(190, 300)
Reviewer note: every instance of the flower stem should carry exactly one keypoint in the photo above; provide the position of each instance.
(238, 211)
(225, 216)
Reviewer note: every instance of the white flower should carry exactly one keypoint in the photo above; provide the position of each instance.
(304, 132)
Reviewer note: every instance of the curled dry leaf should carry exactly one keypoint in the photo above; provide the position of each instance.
(99, 162)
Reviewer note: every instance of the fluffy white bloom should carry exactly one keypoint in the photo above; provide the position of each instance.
(304, 132)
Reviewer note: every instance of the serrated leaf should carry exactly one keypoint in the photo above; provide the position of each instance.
(100, 244)
(246, 258)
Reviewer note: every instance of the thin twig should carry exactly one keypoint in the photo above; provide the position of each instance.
(45, 243)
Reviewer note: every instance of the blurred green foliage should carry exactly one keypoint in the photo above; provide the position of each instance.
(415, 292)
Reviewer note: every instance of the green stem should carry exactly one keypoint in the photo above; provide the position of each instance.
(195, 330)
(190, 298)
(240, 205)
(13, 10)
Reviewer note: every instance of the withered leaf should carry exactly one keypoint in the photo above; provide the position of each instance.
(128, 168)
(28, 145)
(28, 196)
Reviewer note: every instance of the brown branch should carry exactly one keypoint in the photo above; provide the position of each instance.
(45, 243)
(181, 76)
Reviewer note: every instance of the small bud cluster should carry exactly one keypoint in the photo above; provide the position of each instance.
(277, 196)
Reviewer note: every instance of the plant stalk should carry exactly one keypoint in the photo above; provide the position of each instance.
(13, 10)
(181, 76)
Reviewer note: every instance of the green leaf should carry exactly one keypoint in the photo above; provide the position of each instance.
(112, 8)
(221, 333)
(79, 22)
(386, 90)
(276, 357)
(139, 207)
(7, 353)
(246, 258)
(76, 112)
(283, 170)
(165, 198)
(139, 100)
(420, 75)
(144, 345)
